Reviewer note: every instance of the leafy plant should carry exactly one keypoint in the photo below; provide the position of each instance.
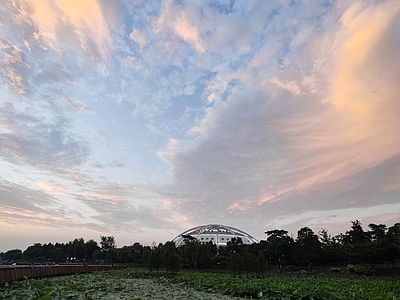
(144, 284)
(362, 269)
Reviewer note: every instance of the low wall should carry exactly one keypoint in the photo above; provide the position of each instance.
(17, 273)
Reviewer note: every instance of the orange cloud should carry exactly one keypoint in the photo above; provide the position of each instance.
(246, 205)
(4, 223)
(352, 94)
(51, 188)
(360, 128)
(85, 19)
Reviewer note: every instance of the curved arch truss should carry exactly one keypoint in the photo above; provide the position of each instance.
(218, 234)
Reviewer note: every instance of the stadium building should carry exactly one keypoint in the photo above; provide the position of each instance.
(218, 234)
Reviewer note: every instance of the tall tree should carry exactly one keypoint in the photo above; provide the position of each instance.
(332, 251)
(308, 247)
(377, 232)
(356, 235)
(33, 253)
(107, 242)
(89, 248)
(392, 244)
(14, 254)
(358, 244)
(280, 247)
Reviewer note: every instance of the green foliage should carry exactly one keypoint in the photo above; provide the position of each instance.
(308, 247)
(14, 254)
(172, 262)
(156, 258)
(362, 269)
(337, 270)
(236, 264)
(143, 284)
(107, 242)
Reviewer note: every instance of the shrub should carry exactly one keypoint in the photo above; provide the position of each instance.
(291, 268)
(362, 269)
(338, 270)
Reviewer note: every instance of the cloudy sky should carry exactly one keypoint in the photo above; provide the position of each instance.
(141, 119)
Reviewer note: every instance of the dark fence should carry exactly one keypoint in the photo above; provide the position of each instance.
(10, 274)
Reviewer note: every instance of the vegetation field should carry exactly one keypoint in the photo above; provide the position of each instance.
(143, 284)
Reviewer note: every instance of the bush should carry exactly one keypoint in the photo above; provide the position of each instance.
(338, 270)
(362, 269)
(291, 268)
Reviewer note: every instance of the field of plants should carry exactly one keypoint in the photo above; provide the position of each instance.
(143, 284)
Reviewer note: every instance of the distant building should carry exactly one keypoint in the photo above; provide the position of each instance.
(218, 234)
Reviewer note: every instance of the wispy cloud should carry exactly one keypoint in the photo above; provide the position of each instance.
(179, 22)
(256, 146)
(33, 140)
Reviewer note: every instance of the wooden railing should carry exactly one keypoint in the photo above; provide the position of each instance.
(9, 274)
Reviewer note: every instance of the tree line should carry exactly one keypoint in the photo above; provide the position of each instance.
(377, 245)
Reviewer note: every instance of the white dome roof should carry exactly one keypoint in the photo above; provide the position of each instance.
(218, 234)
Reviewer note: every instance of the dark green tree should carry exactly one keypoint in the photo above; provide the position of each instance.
(156, 258)
(249, 261)
(280, 247)
(377, 243)
(356, 235)
(12, 255)
(308, 247)
(107, 242)
(235, 245)
(392, 244)
(332, 250)
(33, 253)
(172, 261)
(89, 248)
(261, 264)
(58, 255)
(236, 264)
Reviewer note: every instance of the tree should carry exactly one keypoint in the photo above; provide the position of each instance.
(280, 247)
(234, 245)
(136, 253)
(89, 248)
(377, 243)
(146, 253)
(392, 244)
(377, 232)
(107, 242)
(58, 255)
(332, 251)
(190, 253)
(78, 248)
(260, 264)
(356, 235)
(308, 247)
(249, 262)
(12, 254)
(358, 244)
(172, 261)
(156, 257)
(34, 252)
(236, 264)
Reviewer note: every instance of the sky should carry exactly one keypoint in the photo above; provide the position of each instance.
(142, 119)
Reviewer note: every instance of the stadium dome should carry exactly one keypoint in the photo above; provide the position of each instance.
(218, 234)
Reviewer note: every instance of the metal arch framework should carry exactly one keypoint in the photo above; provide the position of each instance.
(216, 233)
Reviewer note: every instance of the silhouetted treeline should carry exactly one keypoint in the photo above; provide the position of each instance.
(377, 245)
